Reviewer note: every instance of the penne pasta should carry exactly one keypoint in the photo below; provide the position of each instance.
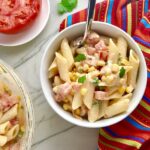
(103, 96)
(127, 68)
(122, 46)
(9, 83)
(77, 101)
(67, 53)
(88, 97)
(132, 75)
(113, 52)
(13, 132)
(124, 62)
(10, 114)
(3, 140)
(114, 96)
(103, 106)
(4, 127)
(62, 67)
(112, 90)
(53, 70)
(116, 108)
(73, 49)
(93, 113)
(57, 81)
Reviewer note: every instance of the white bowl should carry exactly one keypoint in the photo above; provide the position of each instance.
(71, 33)
(32, 31)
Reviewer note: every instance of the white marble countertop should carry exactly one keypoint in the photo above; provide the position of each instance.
(52, 132)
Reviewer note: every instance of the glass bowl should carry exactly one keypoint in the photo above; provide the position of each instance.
(26, 140)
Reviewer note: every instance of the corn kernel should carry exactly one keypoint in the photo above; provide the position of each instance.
(91, 69)
(96, 55)
(122, 81)
(77, 74)
(104, 78)
(115, 68)
(66, 100)
(83, 91)
(22, 128)
(73, 76)
(67, 107)
(85, 67)
(78, 112)
(109, 78)
(101, 63)
(108, 71)
(121, 90)
(129, 89)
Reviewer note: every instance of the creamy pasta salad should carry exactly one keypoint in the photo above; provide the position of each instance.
(12, 119)
(96, 80)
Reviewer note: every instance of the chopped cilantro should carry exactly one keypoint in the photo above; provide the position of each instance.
(82, 79)
(80, 57)
(122, 72)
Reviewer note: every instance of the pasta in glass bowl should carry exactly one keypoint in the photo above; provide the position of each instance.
(98, 84)
(16, 112)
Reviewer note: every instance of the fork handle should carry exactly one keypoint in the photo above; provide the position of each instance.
(90, 13)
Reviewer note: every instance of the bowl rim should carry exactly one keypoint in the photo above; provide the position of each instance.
(26, 145)
(37, 34)
(72, 119)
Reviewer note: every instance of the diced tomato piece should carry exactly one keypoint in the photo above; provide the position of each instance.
(103, 55)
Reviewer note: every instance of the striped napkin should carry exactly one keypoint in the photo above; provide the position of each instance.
(133, 16)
